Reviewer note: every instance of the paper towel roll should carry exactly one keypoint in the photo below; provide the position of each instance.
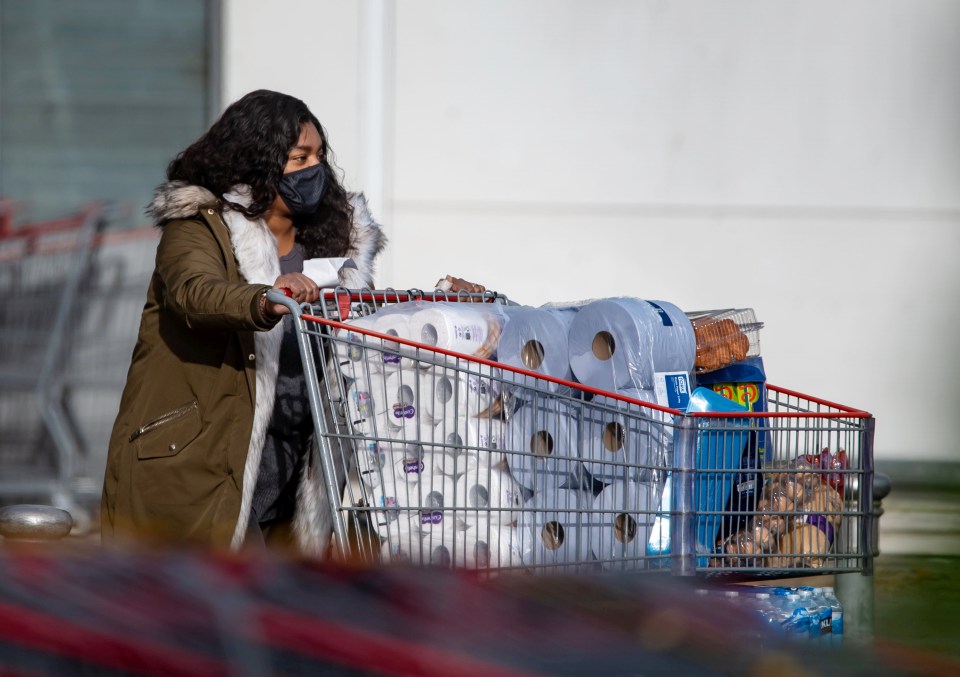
(492, 495)
(620, 526)
(622, 342)
(393, 501)
(447, 394)
(552, 530)
(621, 441)
(468, 328)
(541, 444)
(536, 339)
(491, 545)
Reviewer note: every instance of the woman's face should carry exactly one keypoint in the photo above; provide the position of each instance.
(307, 152)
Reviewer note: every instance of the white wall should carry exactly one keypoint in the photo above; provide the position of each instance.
(799, 158)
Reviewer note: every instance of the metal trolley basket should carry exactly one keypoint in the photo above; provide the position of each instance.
(438, 458)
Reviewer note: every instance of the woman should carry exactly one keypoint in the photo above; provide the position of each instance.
(210, 443)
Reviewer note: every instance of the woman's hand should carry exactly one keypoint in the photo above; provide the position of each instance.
(455, 284)
(300, 287)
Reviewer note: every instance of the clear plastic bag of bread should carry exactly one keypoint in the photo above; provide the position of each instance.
(813, 531)
(724, 337)
(798, 514)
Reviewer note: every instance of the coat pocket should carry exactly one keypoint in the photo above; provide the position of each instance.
(168, 434)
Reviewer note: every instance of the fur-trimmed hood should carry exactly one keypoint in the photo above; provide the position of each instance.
(179, 200)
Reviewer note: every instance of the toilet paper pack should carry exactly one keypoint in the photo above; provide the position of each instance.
(623, 342)
(620, 525)
(541, 444)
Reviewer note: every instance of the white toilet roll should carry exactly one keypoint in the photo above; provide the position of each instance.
(492, 495)
(366, 397)
(384, 354)
(535, 339)
(622, 342)
(475, 434)
(393, 501)
(402, 402)
(468, 328)
(552, 531)
(350, 348)
(541, 444)
(410, 462)
(444, 548)
(372, 462)
(439, 498)
(449, 454)
(362, 353)
(620, 525)
(401, 544)
(621, 441)
(448, 393)
(490, 545)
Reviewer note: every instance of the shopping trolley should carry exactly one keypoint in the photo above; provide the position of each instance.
(436, 457)
(72, 290)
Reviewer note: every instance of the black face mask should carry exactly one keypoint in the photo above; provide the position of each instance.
(303, 190)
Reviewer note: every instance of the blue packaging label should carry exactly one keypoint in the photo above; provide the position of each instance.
(673, 389)
(664, 317)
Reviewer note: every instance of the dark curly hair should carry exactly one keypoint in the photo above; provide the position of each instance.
(249, 145)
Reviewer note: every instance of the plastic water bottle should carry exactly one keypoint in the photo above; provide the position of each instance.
(765, 607)
(795, 617)
(836, 616)
(732, 597)
(821, 618)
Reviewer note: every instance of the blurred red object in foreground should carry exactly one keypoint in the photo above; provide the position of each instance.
(97, 611)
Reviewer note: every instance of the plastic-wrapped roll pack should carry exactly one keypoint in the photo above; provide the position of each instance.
(438, 493)
(495, 545)
(623, 342)
(542, 445)
(468, 328)
(622, 441)
(535, 339)
(367, 406)
(479, 546)
(553, 530)
(401, 543)
(620, 528)
(402, 392)
(393, 501)
(492, 494)
(359, 354)
(466, 444)
(447, 394)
